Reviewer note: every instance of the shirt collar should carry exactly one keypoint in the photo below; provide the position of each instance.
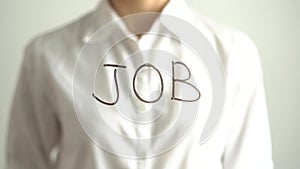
(105, 14)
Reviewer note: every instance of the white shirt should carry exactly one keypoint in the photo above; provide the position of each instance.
(45, 131)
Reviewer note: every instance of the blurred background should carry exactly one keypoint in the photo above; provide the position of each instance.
(274, 25)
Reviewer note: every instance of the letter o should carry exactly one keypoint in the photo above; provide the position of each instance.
(161, 83)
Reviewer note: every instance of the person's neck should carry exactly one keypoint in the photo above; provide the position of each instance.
(127, 7)
(137, 24)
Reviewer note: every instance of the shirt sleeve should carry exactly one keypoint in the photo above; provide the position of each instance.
(33, 128)
(249, 142)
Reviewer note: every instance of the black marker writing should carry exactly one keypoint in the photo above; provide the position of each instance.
(174, 80)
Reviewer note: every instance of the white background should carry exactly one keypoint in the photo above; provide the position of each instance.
(274, 25)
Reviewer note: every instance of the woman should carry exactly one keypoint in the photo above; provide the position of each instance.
(46, 130)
